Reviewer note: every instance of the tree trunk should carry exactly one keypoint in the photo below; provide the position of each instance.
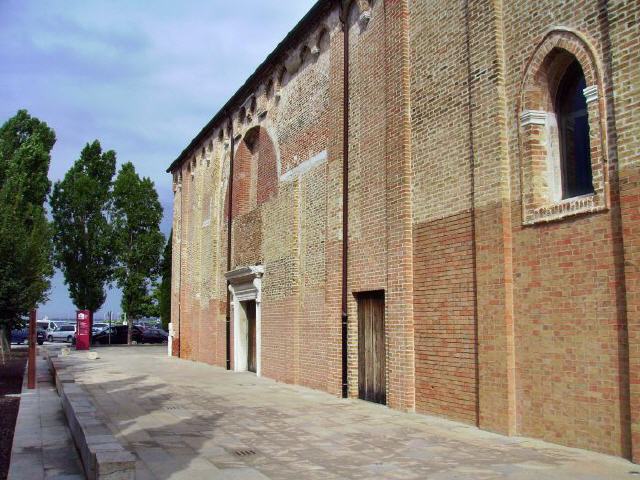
(129, 329)
(5, 348)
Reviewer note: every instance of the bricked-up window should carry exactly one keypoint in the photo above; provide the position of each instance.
(305, 55)
(255, 172)
(573, 132)
(323, 40)
(562, 121)
(283, 78)
(269, 90)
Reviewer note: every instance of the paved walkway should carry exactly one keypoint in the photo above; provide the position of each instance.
(42, 446)
(189, 420)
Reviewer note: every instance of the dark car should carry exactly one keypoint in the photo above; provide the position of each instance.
(19, 336)
(154, 335)
(22, 335)
(117, 335)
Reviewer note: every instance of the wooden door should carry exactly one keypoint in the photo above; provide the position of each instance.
(251, 351)
(371, 348)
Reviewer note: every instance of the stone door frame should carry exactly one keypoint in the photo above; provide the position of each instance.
(245, 284)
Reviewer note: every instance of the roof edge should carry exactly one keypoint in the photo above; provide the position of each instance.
(320, 7)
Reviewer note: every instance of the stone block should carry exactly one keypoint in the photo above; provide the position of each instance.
(115, 465)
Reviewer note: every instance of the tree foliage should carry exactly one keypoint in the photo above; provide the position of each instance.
(81, 205)
(137, 214)
(25, 237)
(164, 291)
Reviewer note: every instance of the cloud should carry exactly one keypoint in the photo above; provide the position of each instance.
(142, 77)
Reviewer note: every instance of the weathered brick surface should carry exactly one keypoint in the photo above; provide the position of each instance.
(623, 44)
(444, 312)
(568, 288)
(504, 308)
(444, 301)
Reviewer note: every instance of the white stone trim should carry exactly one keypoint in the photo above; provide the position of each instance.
(591, 93)
(533, 117)
(304, 167)
(245, 284)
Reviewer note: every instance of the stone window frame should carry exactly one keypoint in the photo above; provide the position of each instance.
(540, 177)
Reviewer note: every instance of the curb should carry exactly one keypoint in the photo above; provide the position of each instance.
(103, 457)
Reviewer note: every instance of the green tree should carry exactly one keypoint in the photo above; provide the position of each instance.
(83, 240)
(25, 237)
(138, 241)
(164, 290)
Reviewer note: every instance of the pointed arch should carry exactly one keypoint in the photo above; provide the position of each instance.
(562, 150)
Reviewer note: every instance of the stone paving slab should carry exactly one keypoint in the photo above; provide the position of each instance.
(42, 445)
(188, 420)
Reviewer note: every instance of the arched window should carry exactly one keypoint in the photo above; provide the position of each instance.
(562, 142)
(283, 78)
(305, 55)
(269, 89)
(573, 130)
(323, 40)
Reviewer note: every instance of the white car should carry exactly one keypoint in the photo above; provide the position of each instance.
(62, 333)
(48, 325)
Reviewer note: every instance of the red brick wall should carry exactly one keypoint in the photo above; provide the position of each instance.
(567, 334)
(622, 40)
(445, 319)
(568, 285)
(444, 294)
(243, 169)
(367, 262)
(267, 181)
(518, 329)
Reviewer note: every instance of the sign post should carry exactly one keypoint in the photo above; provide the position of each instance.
(31, 372)
(83, 329)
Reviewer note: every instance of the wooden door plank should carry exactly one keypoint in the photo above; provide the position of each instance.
(371, 347)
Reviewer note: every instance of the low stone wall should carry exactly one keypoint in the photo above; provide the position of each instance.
(103, 457)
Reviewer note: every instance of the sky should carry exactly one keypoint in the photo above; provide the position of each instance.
(143, 77)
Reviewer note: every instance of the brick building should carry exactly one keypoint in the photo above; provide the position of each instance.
(430, 205)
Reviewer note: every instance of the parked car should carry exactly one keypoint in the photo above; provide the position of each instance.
(154, 335)
(21, 336)
(45, 324)
(49, 326)
(62, 333)
(117, 335)
(98, 327)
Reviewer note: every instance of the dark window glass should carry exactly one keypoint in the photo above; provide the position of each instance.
(573, 126)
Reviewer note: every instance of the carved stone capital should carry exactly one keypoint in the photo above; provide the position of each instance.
(533, 117)
(591, 93)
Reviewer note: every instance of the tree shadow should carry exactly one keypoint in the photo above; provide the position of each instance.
(165, 436)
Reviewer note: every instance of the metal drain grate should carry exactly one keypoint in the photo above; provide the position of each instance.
(244, 453)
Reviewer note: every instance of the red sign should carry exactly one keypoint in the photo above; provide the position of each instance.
(83, 329)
